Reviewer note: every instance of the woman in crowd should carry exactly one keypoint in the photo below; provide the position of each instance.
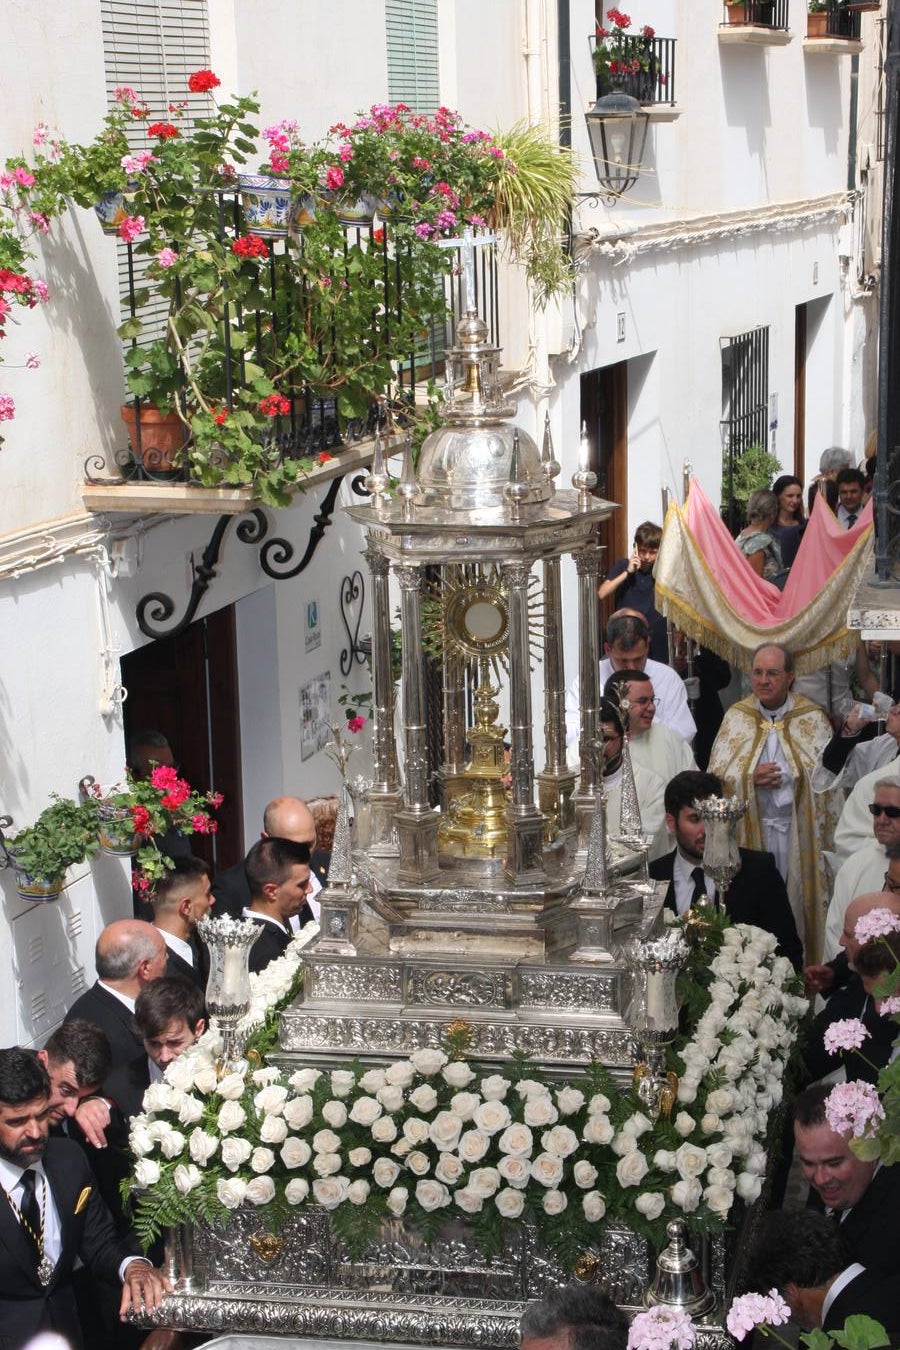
(790, 521)
(756, 540)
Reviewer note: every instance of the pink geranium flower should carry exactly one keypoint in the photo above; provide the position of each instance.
(877, 923)
(661, 1329)
(854, 1109)
(847, 1034)
(754, 1310)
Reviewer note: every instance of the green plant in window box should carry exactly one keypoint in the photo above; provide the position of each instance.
(65, 833)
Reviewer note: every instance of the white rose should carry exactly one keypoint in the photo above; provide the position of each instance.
(385, 1172)
(427, 1061)
(262, 1077)
(325, 1141)
(594, 1206)
(231, 1087)
(598, 1105)
(517, 1140)
(509, 1203)
(358, 1192)
(146, 1172)
(342, 1082)
(262, 1160)
(231, 1191)
(329, 1192)
(719, 1199)
(710, 1123)
(384, 1130)
(273, 1130)
(269, 1101)
(295, 1152)
(631, 1169)
(187, 1177)
(690, 1161)
(684, 1124)
(569, 1100)
(327, 1164)
(560, 1141)
(624, 1143)
(296, 1191)
(686, 1195)
(205, 1080)
(231, 1117)
(423, 1098)
(748, 1186)
(687, 1091)
(473, 1145)
(365, 1111)
(449, 1169)
(484, 1181)
(396, 1201)
(491, 1116)
(457, 1074)
(158, 1097)
(335, 1114)
(190, 1110)
(530, 1087)
(540, 1111)
(516, 1171)
(304, 1079)
(444, 1130)
(140, 1140)
(373, 1080)
(298, 1112)
(468, 1201)
(638, 1124)
(415, 1130)
(547, 1169)
(721, 1100)
(584, 1174)
(464, 1103)
(555, 1202)
(495, 1087)
(401, 1074)
(418, 1162)
(260, 1190)
(432, 1195)
(598, 1130)
(719, 1155)
(359, 1157)
(650, 1203)
(720, 1176)
(401, 1148)
(202, 1146)
(180, 1073)
(390, 1096)
(755, 1161)
(235, 1152)
(172, 1143)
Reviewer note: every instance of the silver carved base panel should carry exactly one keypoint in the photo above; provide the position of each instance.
(243, 1279)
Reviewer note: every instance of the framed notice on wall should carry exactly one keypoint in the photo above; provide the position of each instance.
(315, 715)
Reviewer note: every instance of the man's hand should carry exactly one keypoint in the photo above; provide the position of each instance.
(143, 1288)
(767, 774)
(818, 979)
(92, 1118)
(634, 563)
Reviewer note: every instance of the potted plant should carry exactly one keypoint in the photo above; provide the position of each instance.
(624, 60)
(65, 833)
(133, 816)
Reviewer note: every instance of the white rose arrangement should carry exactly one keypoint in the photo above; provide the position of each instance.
(431, 1136)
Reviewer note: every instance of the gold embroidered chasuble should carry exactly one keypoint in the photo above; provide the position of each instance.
(802, 732)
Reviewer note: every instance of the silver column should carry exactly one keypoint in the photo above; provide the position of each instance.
(385, 795)
(417, 821)
(587, 565)
(557, 781)
(524, 860)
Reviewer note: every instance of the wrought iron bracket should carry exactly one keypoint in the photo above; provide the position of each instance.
(276, 554)
(5, 859)
(352, 602)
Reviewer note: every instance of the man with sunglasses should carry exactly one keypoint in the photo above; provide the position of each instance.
(855, 823)
(865, 869)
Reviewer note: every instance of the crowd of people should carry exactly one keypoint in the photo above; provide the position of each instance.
(820, 849)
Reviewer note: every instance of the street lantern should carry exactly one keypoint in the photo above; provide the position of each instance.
(617, 127)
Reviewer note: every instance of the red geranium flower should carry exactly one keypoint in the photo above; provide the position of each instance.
(250, 246)
(323, 457)
(275, 405)
(164, 131)
(202, 81)
(140, 818)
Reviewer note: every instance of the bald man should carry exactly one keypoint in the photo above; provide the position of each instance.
(846, 997)
(284, 818)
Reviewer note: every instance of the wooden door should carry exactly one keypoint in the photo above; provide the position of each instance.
(604, 411)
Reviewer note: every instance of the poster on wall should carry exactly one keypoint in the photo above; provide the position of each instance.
(315, 715)
(312, 636)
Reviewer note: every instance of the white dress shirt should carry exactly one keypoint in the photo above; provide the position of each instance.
(840, 1283)
(123, 998)
(683, 882)
(178, 946)
(668, 689)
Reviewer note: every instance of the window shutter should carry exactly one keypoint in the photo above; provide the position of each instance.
(412, 52)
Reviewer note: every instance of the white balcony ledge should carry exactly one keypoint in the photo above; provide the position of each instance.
(753, 35)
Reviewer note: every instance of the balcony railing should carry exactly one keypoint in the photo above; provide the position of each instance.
(841, 22)
(653, 82)
(760, 13)
(313, 423)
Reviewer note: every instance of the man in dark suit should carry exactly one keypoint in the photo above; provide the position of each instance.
(77, 1059)
(283, 818)
(757, 895)
(169, 1016)
(864, 1197)
(279, 880)
(54, 1216)
(803, 1255)
(180, 900)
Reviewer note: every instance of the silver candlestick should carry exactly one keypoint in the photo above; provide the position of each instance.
(721, 856)
(653, 1015)
(228, 987)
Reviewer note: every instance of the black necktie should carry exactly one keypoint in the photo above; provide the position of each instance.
(30, 1210)
(699, 881)
(851, 520)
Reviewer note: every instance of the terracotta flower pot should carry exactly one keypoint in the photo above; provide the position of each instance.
(817, 24)
(737, 14)
(161, 437)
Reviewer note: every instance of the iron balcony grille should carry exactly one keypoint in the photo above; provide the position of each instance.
(765, 13)
(842, 22)
(653, 83)
(745, 399)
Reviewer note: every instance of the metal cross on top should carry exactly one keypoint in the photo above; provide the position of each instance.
(467, 246)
